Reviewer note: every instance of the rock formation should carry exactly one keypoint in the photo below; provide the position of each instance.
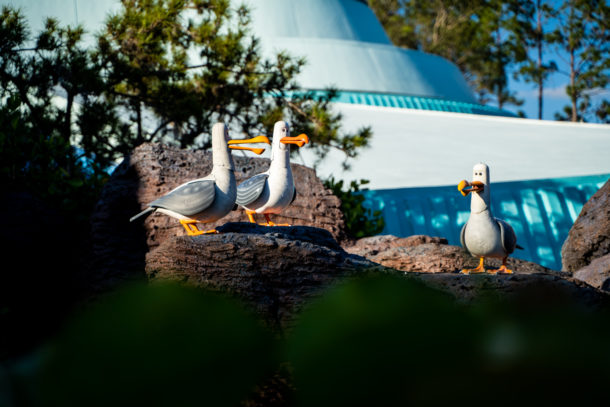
(589, 237)
(425, 254)
(154, 169)
(276, 271)
(596, 274)
(273, 269)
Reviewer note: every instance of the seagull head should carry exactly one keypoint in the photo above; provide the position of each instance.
(282, 141)
(479, 183)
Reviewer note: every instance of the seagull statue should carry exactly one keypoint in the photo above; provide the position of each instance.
(483, 235)
(272, 191)
(207, 199)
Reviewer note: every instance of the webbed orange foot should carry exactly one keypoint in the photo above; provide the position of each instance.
(270, 223)
(504, 270)
(191, 227)
(480, 269)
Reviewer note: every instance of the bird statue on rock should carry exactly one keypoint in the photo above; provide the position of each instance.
(483, 235)
(207, 199)
(272, 191)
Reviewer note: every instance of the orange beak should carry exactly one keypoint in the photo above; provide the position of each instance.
(254, 140)
(299, 140)
(466, 187)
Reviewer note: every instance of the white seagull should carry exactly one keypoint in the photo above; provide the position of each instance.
(483, 235)
(272, 191)
(210, 198)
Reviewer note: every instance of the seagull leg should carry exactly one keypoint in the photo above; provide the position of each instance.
(269, 223)
(503, 269)
(251, 215)
(480, 268)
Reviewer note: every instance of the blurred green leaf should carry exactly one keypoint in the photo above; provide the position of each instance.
(359, 220)
(393, 341)
(158, 345)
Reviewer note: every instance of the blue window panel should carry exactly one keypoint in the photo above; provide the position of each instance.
(535, 221)
(574, 201)
(555, 213)
(440, 223)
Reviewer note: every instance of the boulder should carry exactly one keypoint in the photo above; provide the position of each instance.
(589, 237)
(371, 246)
(119, 247)
(275, 270)
(596, 274)
(425, 254)
(533, 290)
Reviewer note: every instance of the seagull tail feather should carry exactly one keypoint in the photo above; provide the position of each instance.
(145, 212)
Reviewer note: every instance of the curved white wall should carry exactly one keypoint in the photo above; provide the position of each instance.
(346, 47)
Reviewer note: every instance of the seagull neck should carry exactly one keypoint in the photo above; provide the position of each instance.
(479, 203)
(222, 159)
(281, 159)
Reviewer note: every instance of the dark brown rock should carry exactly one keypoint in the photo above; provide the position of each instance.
(427, 254)
(274, 270)
(534, 290)
(152, 170)
(596, 274)
(370, 246)
(589, 237)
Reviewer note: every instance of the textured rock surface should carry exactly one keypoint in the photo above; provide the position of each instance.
(596, 274)
(275, 270)
(371, 246)
(589, 237)
(152, 170)
(427, 254)
(535, 289)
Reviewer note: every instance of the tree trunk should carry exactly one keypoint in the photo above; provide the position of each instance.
(139, 123)
(68, 126)
(573, 96)
(539, 46)
(68, 119)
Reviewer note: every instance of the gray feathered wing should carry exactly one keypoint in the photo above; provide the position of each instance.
(507, 236)
(188, 199)
(463, 236)
(249, 190)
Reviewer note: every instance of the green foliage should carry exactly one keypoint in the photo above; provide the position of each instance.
(161, 70)
(489, 39)
(359, 220)
(179, 66)
(471, 34)
(373, 340)
(157, 345)
(532, 18)
(37, 134)
(583, 32)
(393, 341)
